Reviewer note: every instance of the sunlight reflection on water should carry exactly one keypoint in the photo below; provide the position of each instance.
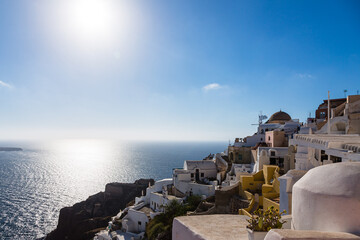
(37, 182)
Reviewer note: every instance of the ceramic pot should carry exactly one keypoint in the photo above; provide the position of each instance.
(254, 235)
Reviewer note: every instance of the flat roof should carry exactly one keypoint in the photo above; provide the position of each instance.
(170, 197)
(213, 227)
(146, 209)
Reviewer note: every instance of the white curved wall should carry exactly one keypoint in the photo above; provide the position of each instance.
(327, 198)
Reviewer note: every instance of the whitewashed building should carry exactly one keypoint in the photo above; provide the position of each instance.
(196, 178)
(337, 140)
(136, 219)
(271, 156)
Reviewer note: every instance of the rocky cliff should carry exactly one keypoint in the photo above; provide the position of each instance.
(82, 220)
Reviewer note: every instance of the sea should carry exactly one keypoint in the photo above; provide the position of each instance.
(44, 177)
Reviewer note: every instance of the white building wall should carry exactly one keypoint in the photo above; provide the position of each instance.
(195, 188)
(156, 201)
(251, 141)
(190, 175)
(264, 153)
(301, 158)
(201, 189)
(157, 187)
(182, 186)
(135, 221)
(184, 177)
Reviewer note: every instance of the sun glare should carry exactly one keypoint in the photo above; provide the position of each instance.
(83, 151)
(91, 18)
(90, 21)
(90, 27)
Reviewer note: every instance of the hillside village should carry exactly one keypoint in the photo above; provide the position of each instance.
(309, 170)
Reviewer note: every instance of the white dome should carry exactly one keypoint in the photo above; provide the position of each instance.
(327, 198)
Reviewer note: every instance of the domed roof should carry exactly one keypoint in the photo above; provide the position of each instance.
(333, 186)
(279, 117)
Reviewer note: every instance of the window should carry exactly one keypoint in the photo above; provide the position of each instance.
(192, 175)
(139, 223)
(202, 174)
(336, 159)
(323, 156)
(272, 153)
(281, 162)
(269, 138)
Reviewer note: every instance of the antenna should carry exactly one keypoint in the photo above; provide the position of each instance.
(345, 91)
(261, 118)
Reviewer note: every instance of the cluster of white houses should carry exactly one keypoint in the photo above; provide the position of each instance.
(331, 137)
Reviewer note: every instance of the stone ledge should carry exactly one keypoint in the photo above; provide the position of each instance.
(210, 227)
(287, 234)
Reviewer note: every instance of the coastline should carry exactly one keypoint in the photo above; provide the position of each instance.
(10, 149)
(84, 219)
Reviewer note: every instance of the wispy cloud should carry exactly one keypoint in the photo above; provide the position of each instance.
(305, 75)
(4, 84)
(212, 86)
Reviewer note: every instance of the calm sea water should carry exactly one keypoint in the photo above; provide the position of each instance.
(37, 182)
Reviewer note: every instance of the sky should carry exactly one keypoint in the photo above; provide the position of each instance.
(198, 70)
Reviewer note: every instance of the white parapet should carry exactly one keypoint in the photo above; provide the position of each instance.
(286, 234)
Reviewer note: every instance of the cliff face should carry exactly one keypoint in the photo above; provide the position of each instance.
(80, 220)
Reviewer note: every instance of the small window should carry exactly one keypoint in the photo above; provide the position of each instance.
(281, 162)
(139, 223)
(192, 175)
(202, 174)
(269, 138)
(272, 153)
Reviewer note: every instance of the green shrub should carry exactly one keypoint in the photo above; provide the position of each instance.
(192, 202)
(266, 220)
(160, 227)
(155, 230)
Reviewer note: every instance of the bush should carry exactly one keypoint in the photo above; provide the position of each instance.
(192, 202)
(155, 230)
(175, 209)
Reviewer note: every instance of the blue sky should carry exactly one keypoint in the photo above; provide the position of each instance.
(170, 70)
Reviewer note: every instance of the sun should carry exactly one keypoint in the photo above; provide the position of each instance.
(88, 29)
(89, 20)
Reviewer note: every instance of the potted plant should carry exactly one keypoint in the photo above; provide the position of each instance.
(263, 221)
